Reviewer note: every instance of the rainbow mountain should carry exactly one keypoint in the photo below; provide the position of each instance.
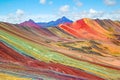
(86, 49)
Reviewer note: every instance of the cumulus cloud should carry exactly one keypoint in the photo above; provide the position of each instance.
(110, 2)
(20, 12)
(19, 16)
(91, 13)
(78, 3)
(15, 17)
(42, 1)
(64, 8)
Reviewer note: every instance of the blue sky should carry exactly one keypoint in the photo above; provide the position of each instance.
(16, 11)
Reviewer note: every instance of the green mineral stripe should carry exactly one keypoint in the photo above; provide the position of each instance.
(43, 53)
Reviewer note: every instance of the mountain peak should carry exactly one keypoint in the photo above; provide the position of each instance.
(63, 20)
(64, 17)
(30, 23)
(30, 20)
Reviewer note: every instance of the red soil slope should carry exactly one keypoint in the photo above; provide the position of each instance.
(87, 29)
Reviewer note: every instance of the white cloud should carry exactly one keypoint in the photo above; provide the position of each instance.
(64, 8)
(110, 2)
(19, 12)
(92, 11)
(42, 1)
(19, 16)
(15, 17)
(78, 3)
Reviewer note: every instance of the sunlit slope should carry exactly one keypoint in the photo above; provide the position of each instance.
(87, 29)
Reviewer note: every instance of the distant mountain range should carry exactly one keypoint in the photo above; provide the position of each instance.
(83, 28)
(55, 23)
(46, 24)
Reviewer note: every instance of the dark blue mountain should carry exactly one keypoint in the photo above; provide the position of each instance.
(55, 23)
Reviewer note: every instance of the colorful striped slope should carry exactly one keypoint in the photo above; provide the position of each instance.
(86, 49)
